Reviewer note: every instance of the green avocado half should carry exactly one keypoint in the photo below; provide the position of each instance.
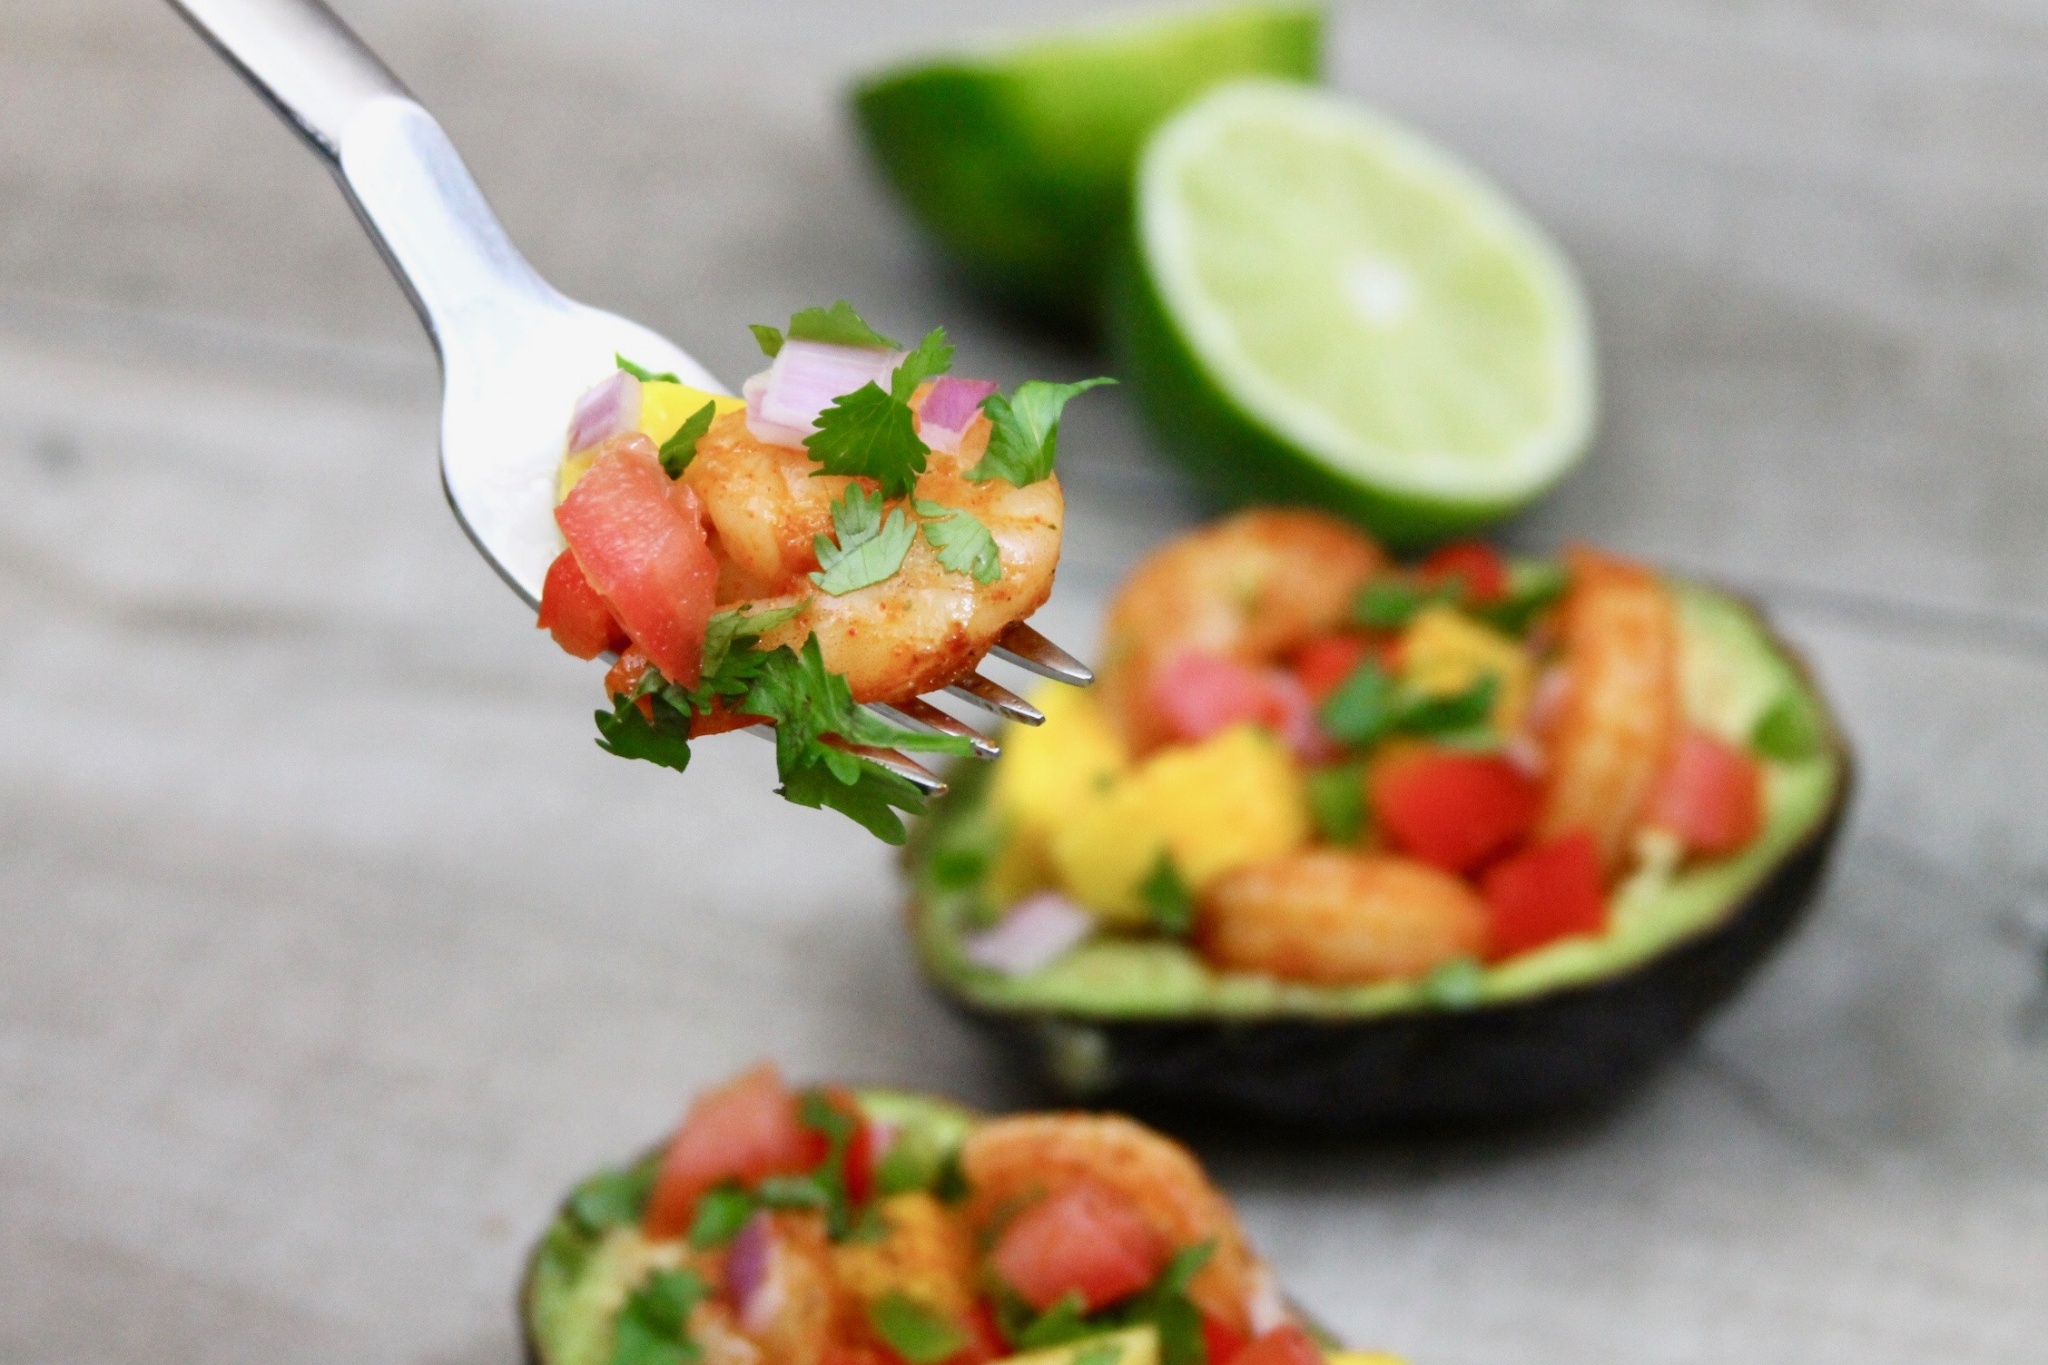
(1145, 1024)
(578, 1275)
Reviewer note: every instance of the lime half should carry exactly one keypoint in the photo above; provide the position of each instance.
(1018, 160)
(1325, 307)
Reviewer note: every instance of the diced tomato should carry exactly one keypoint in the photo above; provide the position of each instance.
(1454, 811)
(1484, 572)
(1324, 663)
(745, 1130)
(640, 541)
(1542, 894)
(1711, 795)
(1087, 1239)
(985, 1341)
(572, 612)
(1198, 695)
(1221, 1342)
(1285, 1345)
(625, 675)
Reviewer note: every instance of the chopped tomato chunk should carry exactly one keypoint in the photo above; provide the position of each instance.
(1454, 811)
(1711, 795)
(1221, 1342)
(639, 539)
(1198, 695)
(1323, 664)
(572, 612)
(1484, 572)
(1285, 1345)
(1542, 894)
(1087, 1239)
(985, 1340)
(745, 1130)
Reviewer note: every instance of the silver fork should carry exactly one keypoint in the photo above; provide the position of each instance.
(515, 353)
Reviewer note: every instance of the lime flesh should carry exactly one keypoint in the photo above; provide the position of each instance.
(1018, 161)
(1326, 307)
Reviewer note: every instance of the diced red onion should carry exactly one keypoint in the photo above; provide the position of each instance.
(749, 1271)
(1294, 716)
(1038, 931)
(1526, 754)
(949, 409)
(1264, 1305)
(610, 408)
(804, 380)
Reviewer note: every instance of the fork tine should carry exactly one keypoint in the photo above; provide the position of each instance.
(917, 711)
(990, 696)
(1026, 648)
(916, 774)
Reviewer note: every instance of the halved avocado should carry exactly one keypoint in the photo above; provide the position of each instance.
(576, 1279)
(1148, 1026)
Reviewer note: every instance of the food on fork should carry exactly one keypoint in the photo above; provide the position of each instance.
(861, 527)
(833, 1226)
(1407, 807)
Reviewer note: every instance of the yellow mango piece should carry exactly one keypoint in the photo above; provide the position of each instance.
(574, 467)
(1233, 799)
(664, 407)
(1445, 652)
(1046, 773)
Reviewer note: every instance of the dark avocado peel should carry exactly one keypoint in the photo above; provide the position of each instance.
(1146, 1025)
(578, 1274)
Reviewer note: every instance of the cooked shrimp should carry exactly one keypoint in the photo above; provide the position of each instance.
(926, 1255)
(1011, 1161)
(1620, 706)
(796, 1317)
(1340, 918)
(1249, 588)
(918, 630)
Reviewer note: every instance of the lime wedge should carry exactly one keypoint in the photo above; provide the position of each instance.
(1327, 308)
(1018, 160)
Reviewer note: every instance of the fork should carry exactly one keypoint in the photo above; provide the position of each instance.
(515, 353)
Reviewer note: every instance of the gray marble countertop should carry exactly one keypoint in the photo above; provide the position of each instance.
(335, 949)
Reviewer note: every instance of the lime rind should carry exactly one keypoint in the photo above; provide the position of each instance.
(1405, 492)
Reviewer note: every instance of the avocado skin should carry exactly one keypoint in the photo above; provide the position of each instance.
(1490, 1066)
(1493, 1065)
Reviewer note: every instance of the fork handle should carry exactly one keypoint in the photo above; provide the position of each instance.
(409, 186)
(300, 57)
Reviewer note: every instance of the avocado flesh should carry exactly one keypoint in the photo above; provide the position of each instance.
(1115, 1012)
(577, 1280)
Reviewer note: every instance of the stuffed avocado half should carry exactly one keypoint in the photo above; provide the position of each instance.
(833, 1226)
(1348, 843)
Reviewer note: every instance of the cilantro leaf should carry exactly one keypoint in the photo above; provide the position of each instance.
(613, 1198)
(681, 448)
(838, 325)
(793, 1192)
(870, 549)
(1026, 434)
(1336, 799)
(654, 1326)
(1362, 707)
(868, 434)
(729, 673)
(914, 1331)
(626, 731)
(964, 544)
(645, 376)
(1169, 905)
(1392, 602)
(1065, 1321)
(1445, 716)
(932, 358)
(770, 338)
(1370, 704)
(1532, 589)
(721, 1213)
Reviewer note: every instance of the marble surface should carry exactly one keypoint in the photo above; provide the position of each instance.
(334, 949)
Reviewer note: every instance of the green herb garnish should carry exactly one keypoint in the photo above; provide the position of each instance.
(681, 448)
(870, 548)
(1169, 905)
(645, 376)
(837, 324)
(1370, 705)
(721, 1213)
(627, 731)
(1532, 590)
(1392, 602)
(913, 1331)
(964, 545)
(654, 1326)
(1025, 438)
(1336, 800)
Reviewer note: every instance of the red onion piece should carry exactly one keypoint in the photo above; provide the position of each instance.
(607, 410)
(949, 409)
(805, 379)
(1038, 931)
(761, 427)
(749, 1268)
